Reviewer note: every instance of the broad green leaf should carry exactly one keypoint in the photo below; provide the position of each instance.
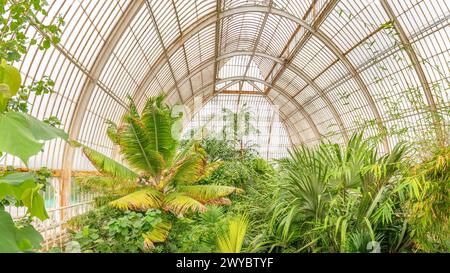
(39, 129)
(22, 135)
(15, 184)
(28, 238)
(16, 138)
(16, 179)
(8, 242)
(35, 202)
(13, 240)
(10, 80)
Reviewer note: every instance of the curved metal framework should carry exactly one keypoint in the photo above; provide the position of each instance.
(332, 66)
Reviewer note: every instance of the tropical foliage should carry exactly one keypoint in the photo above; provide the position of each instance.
(427, 184)
(333, 198)
(108, 230)
(22, 135)
(232, 240)
(160, 176)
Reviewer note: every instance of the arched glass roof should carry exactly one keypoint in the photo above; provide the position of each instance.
(331, 66)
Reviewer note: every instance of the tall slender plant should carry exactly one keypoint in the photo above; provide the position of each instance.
(237, 126)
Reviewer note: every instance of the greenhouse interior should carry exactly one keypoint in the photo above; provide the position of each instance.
(224, 126)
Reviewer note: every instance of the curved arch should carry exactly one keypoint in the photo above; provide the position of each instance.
(291, 66)
(285, 119)
(213, 17)
(89, 87)
(280, 91)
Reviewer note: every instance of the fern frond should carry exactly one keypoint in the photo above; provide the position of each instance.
(139, 201)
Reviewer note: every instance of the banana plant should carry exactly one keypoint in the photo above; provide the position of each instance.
(159, 175)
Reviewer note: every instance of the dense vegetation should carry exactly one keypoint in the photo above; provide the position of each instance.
(327, 198)
(22, 135)
(215, 194)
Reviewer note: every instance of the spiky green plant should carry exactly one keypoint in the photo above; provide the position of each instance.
(159, 176)
(232, 240)
(427, 185)
(339, 198)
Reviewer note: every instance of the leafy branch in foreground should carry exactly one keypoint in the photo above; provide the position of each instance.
(22, 135)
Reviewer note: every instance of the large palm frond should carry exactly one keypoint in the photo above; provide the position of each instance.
(136, 146)
(179, 203)
(141, 200)
(233, 239)
(158, 122)
(190, 168)
(105, 165)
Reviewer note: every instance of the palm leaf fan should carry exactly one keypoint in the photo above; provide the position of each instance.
(179, 203)
(105, 165)
(139, 201)
(233, 239)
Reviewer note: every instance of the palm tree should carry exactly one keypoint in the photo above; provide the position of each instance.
(159, 176)
(237, 126)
